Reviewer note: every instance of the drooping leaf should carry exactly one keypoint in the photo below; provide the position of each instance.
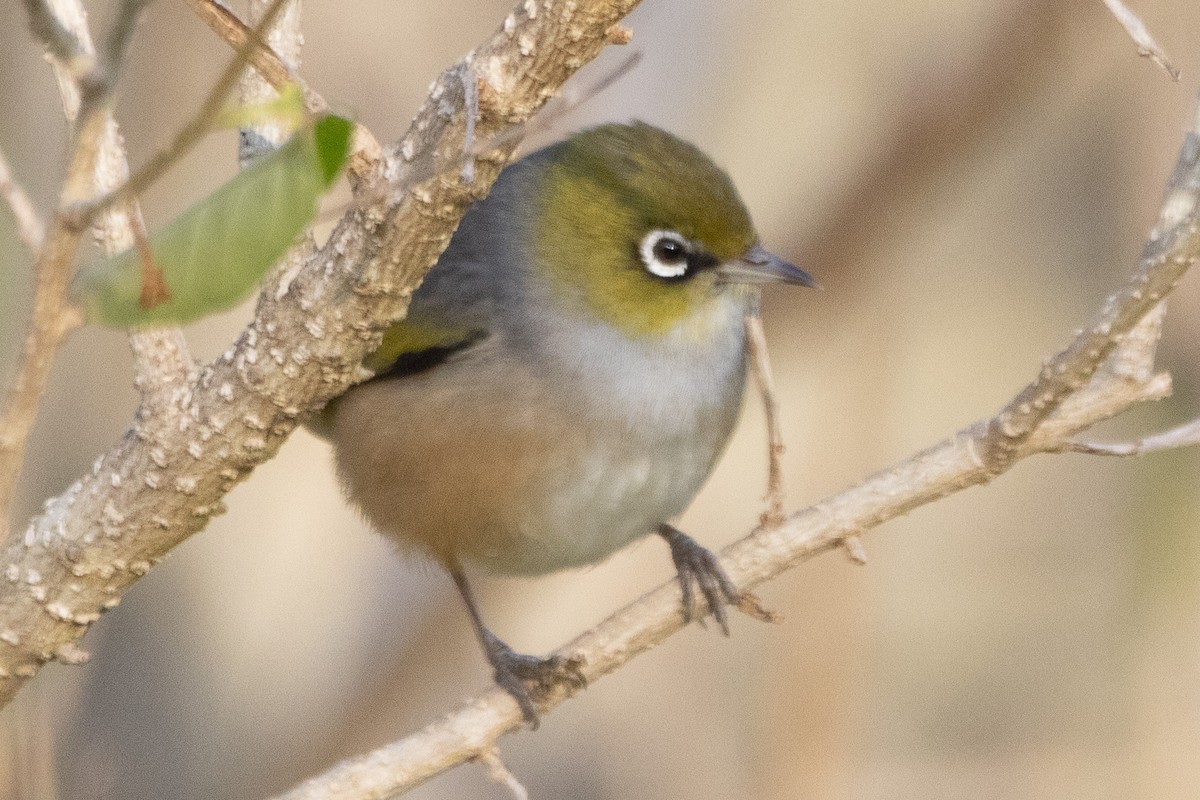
(213, 254)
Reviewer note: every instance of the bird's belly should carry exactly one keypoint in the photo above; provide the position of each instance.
(599, 501)
(517, 486)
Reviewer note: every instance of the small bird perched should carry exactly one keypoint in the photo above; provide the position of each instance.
(567, 374)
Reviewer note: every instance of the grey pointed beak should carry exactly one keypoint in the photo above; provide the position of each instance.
(760, 266)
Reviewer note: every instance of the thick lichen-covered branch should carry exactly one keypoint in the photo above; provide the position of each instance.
(167, 476)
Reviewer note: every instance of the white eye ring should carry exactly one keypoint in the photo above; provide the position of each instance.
(655, 262)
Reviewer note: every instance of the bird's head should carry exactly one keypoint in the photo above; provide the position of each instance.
(640, 229)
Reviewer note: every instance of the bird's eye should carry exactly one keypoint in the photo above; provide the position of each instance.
(665, 254)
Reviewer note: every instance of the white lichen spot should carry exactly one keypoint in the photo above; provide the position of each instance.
(201, 511)
(10, 637)
(1179, 204)
(281, 290)
(225, 392)
(162, 523)
(112, 515)
(60, 612)
(510, 24)
(139, 567)
(71, 653)
(33, 577)
(38, 593)
(255, 444)
(195, 450)
(30, 536)
(115, 480)
(229, 474)
(526, 43)
(159, 457)
(251, 355)
(276, 355)
(185, 484)
(253, 422)
(152, 480)
(81, 570)
(111, 603)
(88, 617)
(26, 671)
(531, 9)
(314, 327)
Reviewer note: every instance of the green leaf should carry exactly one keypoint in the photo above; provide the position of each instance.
(285, 108)
(213, 254)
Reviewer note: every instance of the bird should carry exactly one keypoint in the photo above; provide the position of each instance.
(566, 376)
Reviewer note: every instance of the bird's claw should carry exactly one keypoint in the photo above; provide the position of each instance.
(529, 678)
(699, 568)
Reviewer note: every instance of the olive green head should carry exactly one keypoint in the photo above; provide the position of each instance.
(642, 230)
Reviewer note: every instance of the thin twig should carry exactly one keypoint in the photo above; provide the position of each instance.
(59, 42)
(1184, 435)
(1147, 47)
(84, 213)
(264, 59)
(30, 227)
(760, 366)
(365, 149)
(499, 772)
(97, 162)
(85, 103)
(1168, 253)
(120, 34)
(855, 551)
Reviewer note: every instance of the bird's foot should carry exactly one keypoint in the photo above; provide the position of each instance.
(699, 568)
(529, 678)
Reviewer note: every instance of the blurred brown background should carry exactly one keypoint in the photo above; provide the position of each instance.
(968, 180)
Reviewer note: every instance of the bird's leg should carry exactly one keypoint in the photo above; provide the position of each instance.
(524, 677)
(699, 568)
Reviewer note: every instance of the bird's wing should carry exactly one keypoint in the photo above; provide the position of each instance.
(418, 344)
(412, 345)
